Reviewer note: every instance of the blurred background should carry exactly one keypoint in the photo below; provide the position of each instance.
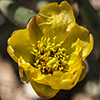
(15, 14)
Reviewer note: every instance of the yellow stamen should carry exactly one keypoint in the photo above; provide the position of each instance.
(49, 57)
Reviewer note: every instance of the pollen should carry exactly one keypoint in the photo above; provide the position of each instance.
(50, 57)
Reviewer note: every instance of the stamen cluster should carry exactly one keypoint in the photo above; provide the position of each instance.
(50, 57)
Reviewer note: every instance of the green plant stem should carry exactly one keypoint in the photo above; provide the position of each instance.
(17, 14)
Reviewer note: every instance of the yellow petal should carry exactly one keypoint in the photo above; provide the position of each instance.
(56, 20)
(76, 56)
(87, 46)
(34, 31)
(22, 69)
(84, 70)
(44, 91)
(85, 37)
(23, 75)
(29, 74)
(20, 44)
(65, 80)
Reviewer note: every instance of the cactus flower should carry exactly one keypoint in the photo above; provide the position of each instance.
(51, 51)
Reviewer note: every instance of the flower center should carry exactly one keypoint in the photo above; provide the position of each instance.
(50, 57)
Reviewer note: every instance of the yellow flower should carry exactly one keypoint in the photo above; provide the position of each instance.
(51, 51)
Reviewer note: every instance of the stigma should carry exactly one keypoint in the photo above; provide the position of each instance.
(49, 57)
